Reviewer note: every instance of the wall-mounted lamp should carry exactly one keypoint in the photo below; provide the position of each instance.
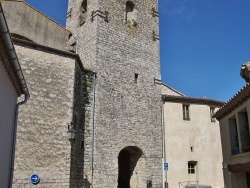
(71, 132)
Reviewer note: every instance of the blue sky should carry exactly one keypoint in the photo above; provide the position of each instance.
(203, 43)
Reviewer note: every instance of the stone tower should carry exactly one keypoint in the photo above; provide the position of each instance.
(122, 133)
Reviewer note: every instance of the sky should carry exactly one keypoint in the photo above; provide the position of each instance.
(203, 43)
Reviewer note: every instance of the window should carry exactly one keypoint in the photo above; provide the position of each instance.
(243, 127)
(212, 113)
(191, 167)
(82, 145)
(186, 114)
(136, 78)
(129, 11)
(234, 139)
(192, 171)
(192, 149)
(85, 96)
(75, 122)
(83, 13)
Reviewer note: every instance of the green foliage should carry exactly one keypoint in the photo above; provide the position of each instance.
(131, 23)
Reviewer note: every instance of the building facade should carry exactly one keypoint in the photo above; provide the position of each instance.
(107, 91)
(118, 41)
(194, 155)
(235, 136)
(100, 76)
(12, 85)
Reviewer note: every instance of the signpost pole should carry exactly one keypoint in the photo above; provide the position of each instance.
(163, 174)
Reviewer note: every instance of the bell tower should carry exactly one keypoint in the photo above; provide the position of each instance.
(119, 41)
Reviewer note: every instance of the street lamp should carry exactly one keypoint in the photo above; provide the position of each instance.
(71, 132)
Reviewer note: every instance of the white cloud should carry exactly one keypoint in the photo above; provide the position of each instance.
(187, 9)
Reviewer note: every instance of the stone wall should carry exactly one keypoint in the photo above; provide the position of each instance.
(42, 143)
(127, 109)
(82, 117)
(85, 36)
(26, 22)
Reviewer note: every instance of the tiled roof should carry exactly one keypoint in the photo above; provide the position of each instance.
(239, 98)
(192, 100)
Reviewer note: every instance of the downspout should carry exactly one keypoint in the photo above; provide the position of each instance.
(22, 83)
(11, 52)
(13, 144)
(163, 146)
(93, 131)
(159, 82)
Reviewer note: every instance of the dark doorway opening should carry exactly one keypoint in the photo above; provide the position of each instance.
(127, 160)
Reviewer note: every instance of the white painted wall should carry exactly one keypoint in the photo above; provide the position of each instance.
(199, 133)
(8, 99)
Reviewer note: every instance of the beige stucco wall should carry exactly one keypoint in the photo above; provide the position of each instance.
(24, 20)
(233, 180)
(199, 133)
(8, 98)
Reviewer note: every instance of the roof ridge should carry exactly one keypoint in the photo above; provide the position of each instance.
(219, 114)
(191, 97)
(195, 100)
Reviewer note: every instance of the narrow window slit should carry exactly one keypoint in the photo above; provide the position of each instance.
(136, 78)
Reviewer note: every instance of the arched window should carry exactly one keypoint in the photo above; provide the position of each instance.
(130, 11)
(83, 12)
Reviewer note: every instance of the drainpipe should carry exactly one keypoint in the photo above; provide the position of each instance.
(11, 52)
(22, 83)
(159, 82)
(13, 144)
(93, 131)
(163, 146)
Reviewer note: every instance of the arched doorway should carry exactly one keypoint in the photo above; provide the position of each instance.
(127, 161)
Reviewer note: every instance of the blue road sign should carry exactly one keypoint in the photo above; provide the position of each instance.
(34, 179)
(165, 166)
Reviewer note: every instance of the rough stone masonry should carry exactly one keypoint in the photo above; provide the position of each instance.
(113, 102)
(127, 121)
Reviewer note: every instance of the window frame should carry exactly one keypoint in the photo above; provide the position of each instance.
(186, 112)
(192, 167)
(84, 6)
(130, 7)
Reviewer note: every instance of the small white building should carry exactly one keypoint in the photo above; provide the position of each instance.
(192, 140)
(12, 85)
